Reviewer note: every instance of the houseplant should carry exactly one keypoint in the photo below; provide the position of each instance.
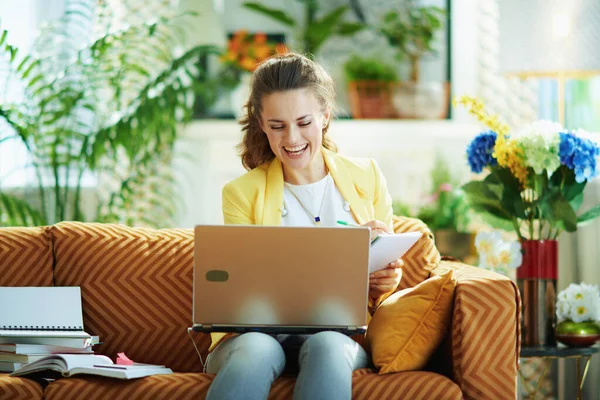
(108, 105)
(369, 87)
(412, 31)
(534, 182)
(578, 314)
(312, 31)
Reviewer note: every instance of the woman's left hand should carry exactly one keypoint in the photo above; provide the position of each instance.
(385, 280)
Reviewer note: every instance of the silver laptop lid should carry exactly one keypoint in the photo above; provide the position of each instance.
(285, 276)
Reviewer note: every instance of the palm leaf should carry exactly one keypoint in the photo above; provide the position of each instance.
(15, 211)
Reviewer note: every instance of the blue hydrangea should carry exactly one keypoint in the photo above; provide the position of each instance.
(479, 152)
(580, 155)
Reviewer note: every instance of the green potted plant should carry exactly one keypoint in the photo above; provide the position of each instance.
(311, 30)
(369, 87)
(412, 31)
(108, 107)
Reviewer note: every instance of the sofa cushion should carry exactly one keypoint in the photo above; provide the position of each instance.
(136, 287)
(422, 258)
(25, 257)
(14, 388)
(366, 384)
(410, 325)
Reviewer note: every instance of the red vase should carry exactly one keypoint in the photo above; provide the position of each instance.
(537, 278)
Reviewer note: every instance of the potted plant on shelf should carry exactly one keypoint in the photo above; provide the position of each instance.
(369, 87)
(412, 31)
(578, 314)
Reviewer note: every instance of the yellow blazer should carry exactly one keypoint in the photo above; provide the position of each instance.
(256, 198)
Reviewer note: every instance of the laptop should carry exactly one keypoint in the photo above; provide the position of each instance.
(272, 279)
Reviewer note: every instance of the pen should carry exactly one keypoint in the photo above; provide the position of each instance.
(346, 223)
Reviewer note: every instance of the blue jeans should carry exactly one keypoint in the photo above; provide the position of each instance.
(248, 364)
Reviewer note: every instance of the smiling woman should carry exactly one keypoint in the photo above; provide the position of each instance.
(296, 178)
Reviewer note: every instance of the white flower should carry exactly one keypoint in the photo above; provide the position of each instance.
(489, 261)
(578, 303)
(509, 255)
(581, 310)
(563, 307)
(486, 242)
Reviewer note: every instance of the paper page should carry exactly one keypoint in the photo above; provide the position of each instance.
(83, 360)
(388, 248)
(44, 307)
(44, 334)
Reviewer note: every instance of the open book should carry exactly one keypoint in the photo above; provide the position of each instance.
(72, 364)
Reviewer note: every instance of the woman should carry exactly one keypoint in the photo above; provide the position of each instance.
(296, 178)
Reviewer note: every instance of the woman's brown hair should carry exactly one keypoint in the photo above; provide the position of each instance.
(277, 74)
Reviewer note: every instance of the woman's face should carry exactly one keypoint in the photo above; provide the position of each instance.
(293, 121)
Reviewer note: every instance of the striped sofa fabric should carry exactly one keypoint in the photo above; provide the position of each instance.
(366, 384)
(137, 296)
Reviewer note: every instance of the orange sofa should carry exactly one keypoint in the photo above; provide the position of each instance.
(137, 292)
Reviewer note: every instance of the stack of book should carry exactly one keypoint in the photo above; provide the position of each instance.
(39, 321)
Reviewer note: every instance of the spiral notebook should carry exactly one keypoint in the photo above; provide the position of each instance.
(49, 312)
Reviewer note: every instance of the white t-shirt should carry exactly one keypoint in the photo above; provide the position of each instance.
(311, 196)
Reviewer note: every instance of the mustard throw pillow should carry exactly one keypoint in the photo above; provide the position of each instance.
(410, 325)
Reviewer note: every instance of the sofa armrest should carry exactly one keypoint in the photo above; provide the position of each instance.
(485, 336)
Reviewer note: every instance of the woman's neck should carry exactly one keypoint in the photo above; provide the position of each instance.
(314, 172)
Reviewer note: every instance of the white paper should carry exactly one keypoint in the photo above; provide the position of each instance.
(389, 248)
(43, 307)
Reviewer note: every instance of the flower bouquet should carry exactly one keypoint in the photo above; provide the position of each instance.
(534, 185)
(536, 177)
(578, 313)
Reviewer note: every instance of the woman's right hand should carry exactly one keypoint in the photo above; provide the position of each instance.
(377, 228)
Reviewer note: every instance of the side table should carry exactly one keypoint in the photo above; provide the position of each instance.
(554, 352)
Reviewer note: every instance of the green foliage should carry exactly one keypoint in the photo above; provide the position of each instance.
(110, 106)
(314, 32)
(542, 212)
(412, 31)
(358, 68)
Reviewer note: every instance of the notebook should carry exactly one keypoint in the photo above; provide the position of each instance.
(39, 313)
(73, 364)
(386, 248)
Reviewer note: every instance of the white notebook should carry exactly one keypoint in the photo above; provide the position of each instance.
(41, 312)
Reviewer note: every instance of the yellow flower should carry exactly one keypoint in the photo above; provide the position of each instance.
(475, 106)
(506, 151)
(509, 155)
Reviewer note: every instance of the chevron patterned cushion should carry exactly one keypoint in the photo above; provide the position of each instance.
(422, 258)
(366, 385)
(12, 388)
(25, 257)
(136, 289)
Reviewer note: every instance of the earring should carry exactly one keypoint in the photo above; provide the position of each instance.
(283, 211)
